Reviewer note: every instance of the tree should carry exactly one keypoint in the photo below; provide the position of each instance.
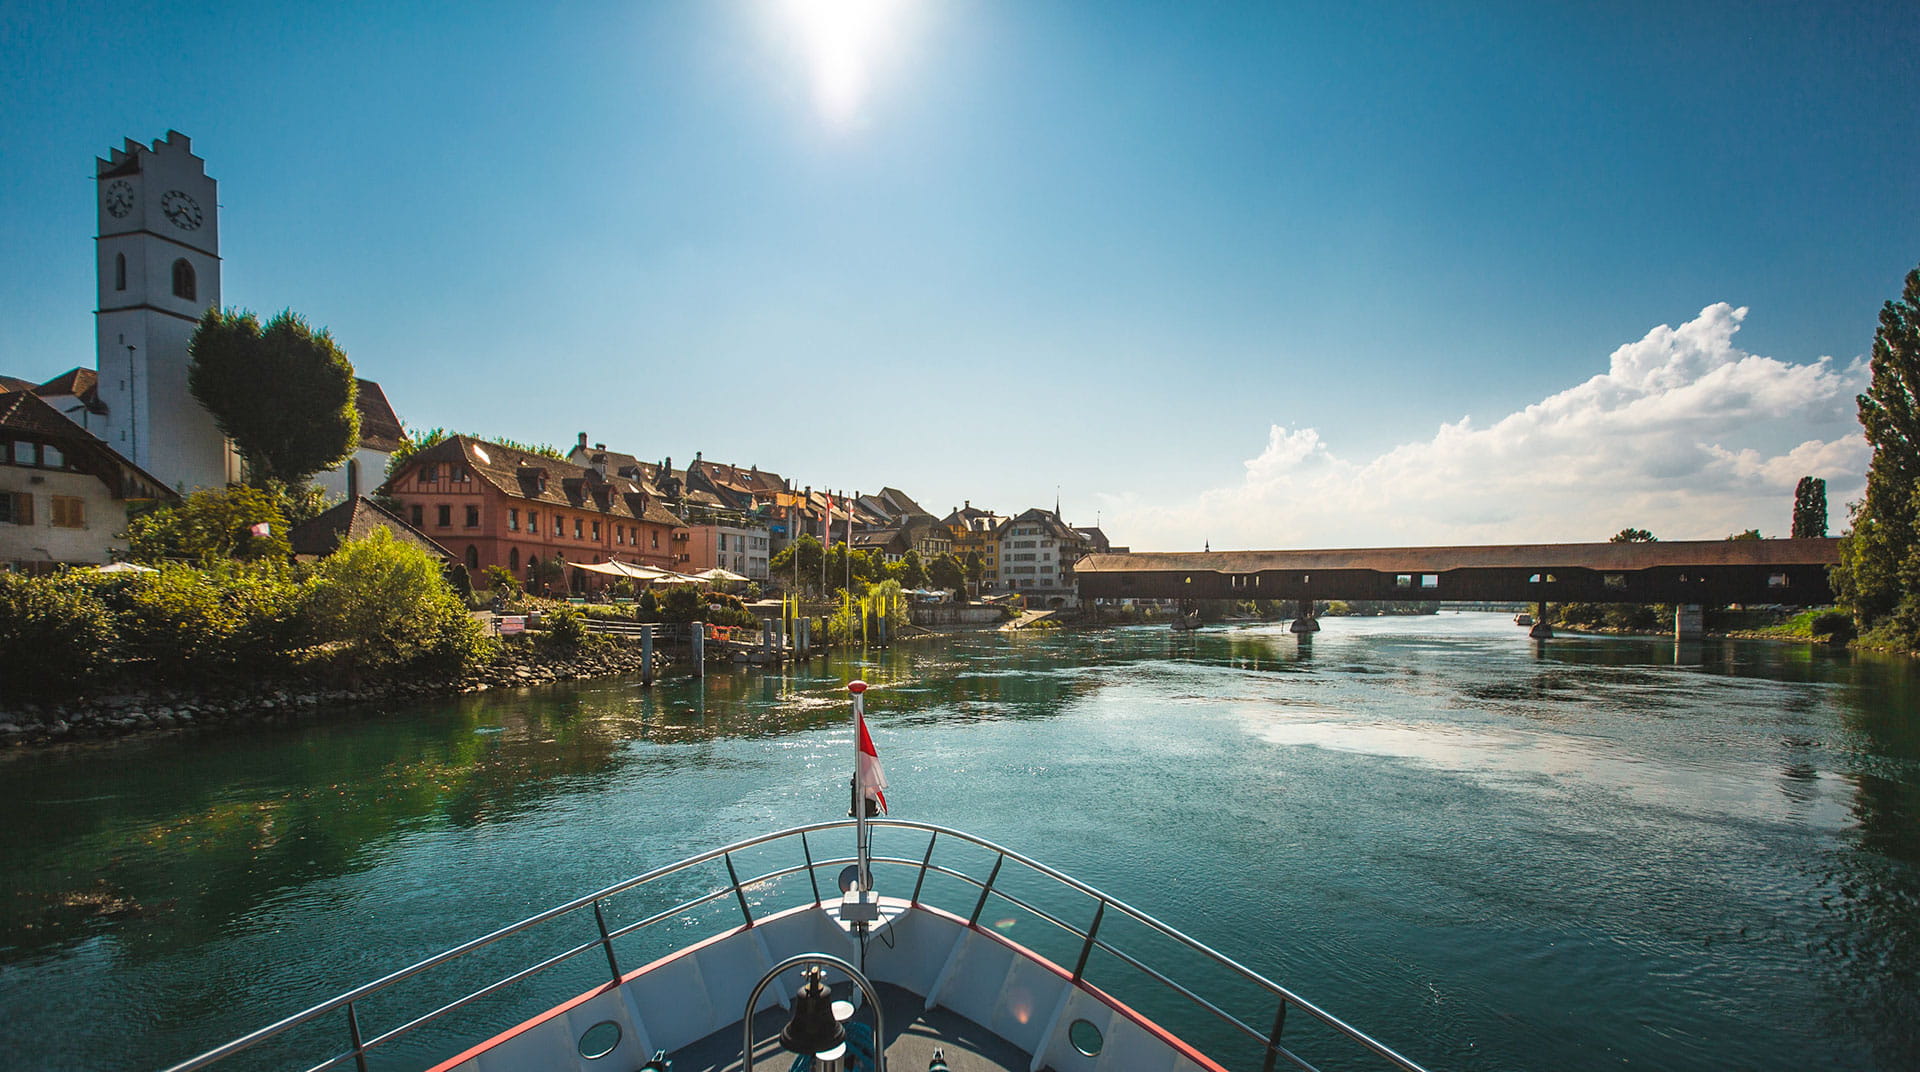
(212, 525)
(412, 442)
(976, 568)
(1750, 534)
(1810, 508)
(384, 603)
(284, 393)
(1633, 536)
(807, 550)
(913, 571)
(946, 572)
(1878, 577)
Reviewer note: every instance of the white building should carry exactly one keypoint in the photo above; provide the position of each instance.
(1037, 553)
(158, 257)
(64, 494)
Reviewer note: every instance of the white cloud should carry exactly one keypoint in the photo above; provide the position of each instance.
(1684, 434)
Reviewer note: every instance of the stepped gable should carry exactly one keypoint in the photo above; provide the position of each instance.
(379, 428)
(320, 536)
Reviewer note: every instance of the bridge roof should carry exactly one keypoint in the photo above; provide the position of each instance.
(1530, 556)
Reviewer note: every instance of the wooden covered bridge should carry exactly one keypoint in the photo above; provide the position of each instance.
(1689, 573)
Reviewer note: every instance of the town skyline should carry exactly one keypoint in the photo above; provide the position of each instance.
(1235, 277)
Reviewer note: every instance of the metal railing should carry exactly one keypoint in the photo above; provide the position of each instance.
(347, 1005)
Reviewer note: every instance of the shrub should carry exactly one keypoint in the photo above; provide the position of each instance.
(566, 626)
(387, 606)
(682, 603)
(54, 632)
(1834, 626)
(501, 580)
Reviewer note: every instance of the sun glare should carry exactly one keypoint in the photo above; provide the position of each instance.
(843, 41)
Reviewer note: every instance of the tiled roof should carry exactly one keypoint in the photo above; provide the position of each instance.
(10, 384)
(76, 382)
(24, 412)
(320, 536)
(379, 429)
(519, 474)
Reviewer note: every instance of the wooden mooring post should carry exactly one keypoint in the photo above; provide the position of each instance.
(698, 641)
(646, 654)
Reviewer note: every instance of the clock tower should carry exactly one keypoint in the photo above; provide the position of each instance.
(158, 255)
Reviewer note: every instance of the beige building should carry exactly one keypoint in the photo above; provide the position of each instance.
(64, 493)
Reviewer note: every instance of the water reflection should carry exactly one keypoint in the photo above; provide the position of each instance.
(1728, 826)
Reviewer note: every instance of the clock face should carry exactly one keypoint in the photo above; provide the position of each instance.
(184, 211)
(119, 198)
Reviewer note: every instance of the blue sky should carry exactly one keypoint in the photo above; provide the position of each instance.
(1253, 274)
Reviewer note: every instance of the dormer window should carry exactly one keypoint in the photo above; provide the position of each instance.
(183, 281)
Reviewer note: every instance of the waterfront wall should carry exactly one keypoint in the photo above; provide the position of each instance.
(936, 615)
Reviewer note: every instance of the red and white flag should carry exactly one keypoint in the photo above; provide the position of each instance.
(262, 529)
(827, 526)
(866, 765)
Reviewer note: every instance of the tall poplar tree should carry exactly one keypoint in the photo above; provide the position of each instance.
(1810, 508)
(283, 393)
(1878, 577)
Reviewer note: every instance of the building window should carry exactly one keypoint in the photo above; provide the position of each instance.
(576, 528)
(533, 522)
(559, 525)
(457, 474)
(473, 517)
(119, 271)
(414, 515)
(443, 516)
(69, 512)
(513, 559)
(596, 530)
(51, 458)
(183, 284)
(473, 558)
(656, 539)
(430, 473)
(513, 521)
(16, 508)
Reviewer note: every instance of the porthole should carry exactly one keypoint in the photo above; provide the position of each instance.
(1085, 1037)
(600, 1040)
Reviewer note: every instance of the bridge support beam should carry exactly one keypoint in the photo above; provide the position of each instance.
(1541, 630)
(1689, 621)
(1303, 620)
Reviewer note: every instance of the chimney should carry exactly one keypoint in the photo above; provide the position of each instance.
(599, 446)
(583, 440)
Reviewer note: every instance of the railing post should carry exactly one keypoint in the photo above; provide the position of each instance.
(738, 893)
(811, 877)
(606, 940)
(1099, 913)
(353, 1032)
(1273, 1040)
(924, 861)
(981, 904)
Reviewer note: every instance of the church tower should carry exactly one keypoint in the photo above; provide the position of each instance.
(158, 256)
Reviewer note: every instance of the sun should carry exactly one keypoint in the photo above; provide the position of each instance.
(843, 42)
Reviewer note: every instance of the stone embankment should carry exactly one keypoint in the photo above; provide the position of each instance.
(129, 712)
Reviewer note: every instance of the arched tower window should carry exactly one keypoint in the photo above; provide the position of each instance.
(183, 280)
(119, 271)
(353, 478)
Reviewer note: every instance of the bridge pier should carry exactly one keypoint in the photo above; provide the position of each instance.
(1541, 630)
(1689, 621)
(1303, 620)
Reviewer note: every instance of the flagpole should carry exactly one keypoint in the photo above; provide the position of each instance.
(859, 691)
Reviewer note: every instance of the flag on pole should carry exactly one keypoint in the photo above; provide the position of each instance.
(827, 544)
(262, 529)
(866, 766)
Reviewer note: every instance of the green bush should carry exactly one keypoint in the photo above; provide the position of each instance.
(566, 626)
(384, 604)
(54, 632)
(682, 603)
(1834, 626)
(502, 581)
(176, 622)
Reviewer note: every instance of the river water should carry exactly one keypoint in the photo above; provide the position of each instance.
(1491, 854)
